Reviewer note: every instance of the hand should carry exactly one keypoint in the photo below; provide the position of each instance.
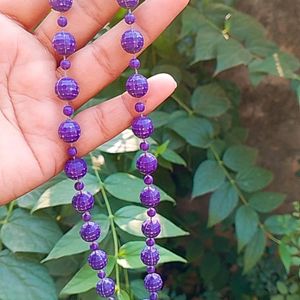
(30, 113)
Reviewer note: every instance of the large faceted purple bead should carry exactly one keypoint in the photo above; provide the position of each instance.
(90, 231)
(128, 3)
(105, 287)
(97, 260)
(69, 131)
(153, 282)
(83, 202)
(137, 85)
(150, 256)
(151, 228)
(64, 43)
(75, 168)
(150, 196)
(67, 88)
(146, 163)
(132, 41)
(142, 127)
(61, 5)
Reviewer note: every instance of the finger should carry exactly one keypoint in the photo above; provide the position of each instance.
(104, 121)
(27, 12)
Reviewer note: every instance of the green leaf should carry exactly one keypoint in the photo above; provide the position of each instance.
(71, 243)
(138, 289)
(63, 192)
(29, 233)
(130, 219)
(210, 100)
(285, 256)
(3, 212)
(246, 222)
(239, 157)
(129, 255)
(254, 179)
(210, 266)
(122, 295)
(254, 250)
(282, 224)
(222, 202)
(159, 118)
(266, 201)
(128, 187)
(24, 279)
(282, 288)
(208, 177)
(173, 157)
(86, 279)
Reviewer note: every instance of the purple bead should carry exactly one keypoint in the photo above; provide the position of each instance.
(150, 196)
(153, 296)
(68, 110)
(72, 151)
(97, 260)
(151, 212)
(105, 287)
(153, 282)
(94, 246)
(69, 131)
(139, 107)
(150, 242)
(90, 232)
(150, 256)
(128, 3)
(62, 21)
(151, 228)
(146, 163)
(150, 269)
(65, 64)
(134, 63)
(101, 274)
(76, 168)
(144, 146)
(64, 43)
(67, 88)
(83, 202)
(86, 217)
(142, 127)
(79, 186)
(132, 41)
(129, 18)
(61, 5)
(148, 179)
(137, 85)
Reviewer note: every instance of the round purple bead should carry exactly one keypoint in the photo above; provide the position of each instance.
(79, 186)
(151, 228)
(134, 63)
(65, 64)
(94, 246)
(69, 131)
(151, 212)
(61, 5)
(72, 151)
(68, 110)
(150, 196)
(83, 202)
(128, 3)
(153, 296)
(105, 287)
(153, 282)
(150, 269)
(148, 179)
(67, 88)
(144, 146)
(101, 274)
(150, 256)
(90, 232)
(75, 168)
(64, 43)
(139, 107)
(86, 217)
(97, 260)
(150, 242)
(137, 85)
(62, 21)
(146, 163)
(129, 18)
(132, 41)
(142, 127)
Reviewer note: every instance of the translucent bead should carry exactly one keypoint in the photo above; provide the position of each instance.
(65, 64)
(79, 186)
(137, 85)
(128, 3)
(94, 246)
(132, 41)
(69, 131)
(62, 21)
(142, 127)
(151, 212)
(64, 43)
(146, 163)
(68, 110)
(150, 256)
(105, 287)
(67, 88)
(134, 63)
(97, 260)
(61, 5)
(150, 242)
(83, 202)
(151, 228)
(153, 282)
(72, 151)
(153, 296)
(75, 168)
(86, 217)
(144, 146)
(150, 196)
(148, 179)
(101, 274)
(90, 232)
(129, 18)
(139, 107)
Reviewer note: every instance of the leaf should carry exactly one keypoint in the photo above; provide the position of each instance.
(128, 187)
(210, 100)
(130, 219)
(3, 212)
(24, 279)
(239, 157)
(173, 157)
(254, 179)
(208, 177)
(159, 118)
(254, 250)
(285, 256)
(129, 255)
(282, 288)
(266, 201)
(282, 224)
(222, 202)
(246, 222)
(63, 192)
(210, 266)
(122, 295)
(29, 233)
(71, 243)
(138, 289)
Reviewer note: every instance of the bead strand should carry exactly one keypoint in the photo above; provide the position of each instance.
(132, 41)
(69, 131)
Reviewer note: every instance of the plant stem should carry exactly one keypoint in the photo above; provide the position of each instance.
(9, 211)
(183, 105)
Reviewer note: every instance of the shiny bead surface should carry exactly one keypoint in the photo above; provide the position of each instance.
(150, 269)
(69, 131)
(150, 256)
(86, 217)
(90, 232)
(132, 41)
(61, 5)
(75, 168)
(146, 163)
(151, 212)
(68, 110)
(129, 18)
(128, 3)
(97, 260)
(150, 196)
(62, 21)
(101, 274)
(65, 64)
(153, 296)
(83, 202)
(153, 282)
(64, 43)
(148, 179)
(142, 127)
(72, 151)
(134, 63)
(137, 85)
(67, 88)
(144, 146)
(139, 107)
(105, 287)
(79, 186)
(151, 228)
(150, 242)
(94, 246)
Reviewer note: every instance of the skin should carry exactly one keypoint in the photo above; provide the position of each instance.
(30, 113)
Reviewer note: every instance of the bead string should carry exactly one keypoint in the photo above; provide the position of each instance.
(69, 131)
(132, 41)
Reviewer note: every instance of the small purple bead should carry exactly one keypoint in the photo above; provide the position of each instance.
(151, 228)
(137, 85)
(142, 127)
(67, 88)
(75, 168)
(61, 5)
(68, 110)
(64, 43)
(150, 242)
(129, 18)
(132, 41)
(86, 217)
(151, 212)
(72, 151)
(94, 246)
(83, 202)
(105, 287)
(97, 260)
(69, 131)
(150, 256)
(153, 296)
(134, 63)
(150, 269)
(79, 186)
(90, 232)
(128, 3)
(139, 107)
(153, 282)
(148, 179)
(101, 274)
(144, 146)
(150, 196)
(146, 163)
(65, 64)
(62, 21)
